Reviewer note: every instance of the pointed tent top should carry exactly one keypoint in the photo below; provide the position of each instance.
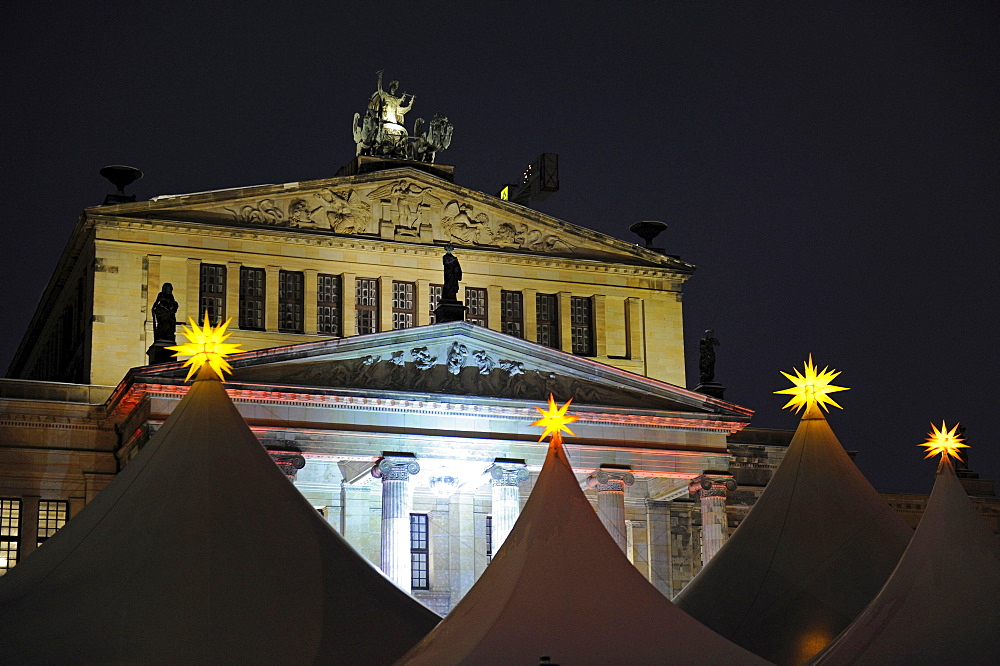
(939, 606)
(560, 587)
(211, 543)
(812, 390)
(815, 549)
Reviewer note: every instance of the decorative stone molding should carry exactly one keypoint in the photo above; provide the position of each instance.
(508, 473)
(610, 480)
(392, 468)
(288, 462)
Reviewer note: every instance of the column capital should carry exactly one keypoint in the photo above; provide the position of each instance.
(395, 467)
(711, 485)
(610, 480)
(289, 462)
(505, 472)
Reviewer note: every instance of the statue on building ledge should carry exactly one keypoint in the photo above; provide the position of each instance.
(382, 133)
(449, 308)
(706, 367)
(164, 312)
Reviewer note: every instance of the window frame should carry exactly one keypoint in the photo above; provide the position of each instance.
(61, 508)
(512, 325)
(291, 301)
(367, 310)
(11, 519)
(404, 308)
(477, 306)
(331, 311)
(582, 332)
(420, 552)
(434, 300)
(549, 327)
(253, 302)
(212, 291)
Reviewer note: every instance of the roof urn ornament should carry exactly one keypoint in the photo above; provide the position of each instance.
(381, 131)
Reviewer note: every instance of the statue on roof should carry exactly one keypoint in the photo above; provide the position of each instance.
(381, 131)
(706, 361)
(164, 312)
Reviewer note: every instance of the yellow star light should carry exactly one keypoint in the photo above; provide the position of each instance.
(813, 388)
(945, 442)
(206, 345)
(554, 420)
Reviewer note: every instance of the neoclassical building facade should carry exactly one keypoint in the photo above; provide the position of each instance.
(409, 435)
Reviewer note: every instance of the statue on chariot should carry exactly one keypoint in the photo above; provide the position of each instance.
(381, 132)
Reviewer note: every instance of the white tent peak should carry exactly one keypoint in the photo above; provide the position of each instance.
(816, 547)
(940, 604)
(560, 587)
(201, 551)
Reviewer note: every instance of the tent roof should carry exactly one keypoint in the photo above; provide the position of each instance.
(940, 604)
(201, 551)
(560, 587)
(814, 550)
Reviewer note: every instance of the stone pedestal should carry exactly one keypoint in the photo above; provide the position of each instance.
(449, 310)
(714, 389)
(610, 485)
(505, 477)
(158, 352)
(714, 524)
(397, 502)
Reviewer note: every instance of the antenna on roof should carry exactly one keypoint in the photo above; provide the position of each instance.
(539, 180)
(120, 176)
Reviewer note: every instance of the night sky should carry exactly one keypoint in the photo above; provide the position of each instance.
(831, 170)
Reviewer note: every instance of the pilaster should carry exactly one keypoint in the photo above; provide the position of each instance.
(600, 324)
(423, 303)
(231, 306)
(385, 303)
(271, 298)
(349, 296)
(634, 348)
(310, 290)
(530, 301)
(565, 321)
(493, 307)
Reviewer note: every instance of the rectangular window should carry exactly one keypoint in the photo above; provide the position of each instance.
(512, 313)
(547, 319)
(51, 516)
(366, 305)
(489, 538)
(328, 289)
(252, 298)
(212, 294)
(291, 296)
(435, 300)
(419, 579)
(475, 301)
(10, 533)
(581, 320)
(404, 314)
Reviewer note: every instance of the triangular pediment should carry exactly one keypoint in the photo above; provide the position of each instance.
(401, 205)
(457, 359)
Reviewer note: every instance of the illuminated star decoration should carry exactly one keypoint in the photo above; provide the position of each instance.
(206, 345)
(554, 420)
(813, 388)
(945, 442)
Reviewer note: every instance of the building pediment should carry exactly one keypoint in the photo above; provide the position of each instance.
(455, 359)
(396, 205)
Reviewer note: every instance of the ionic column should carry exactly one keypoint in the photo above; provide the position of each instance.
(397, 502)
(610, 485)
(712, 493)
(506, 475)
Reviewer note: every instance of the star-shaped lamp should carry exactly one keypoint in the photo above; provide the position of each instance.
(554, 420)
(206, 345)
(812, 388)
(944, 442)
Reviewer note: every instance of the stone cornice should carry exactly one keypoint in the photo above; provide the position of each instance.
(373, 244)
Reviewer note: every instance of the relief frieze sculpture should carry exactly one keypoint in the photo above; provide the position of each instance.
(453, 368)
(401, 210)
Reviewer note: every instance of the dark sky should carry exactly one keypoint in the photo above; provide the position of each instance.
(832, 169)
